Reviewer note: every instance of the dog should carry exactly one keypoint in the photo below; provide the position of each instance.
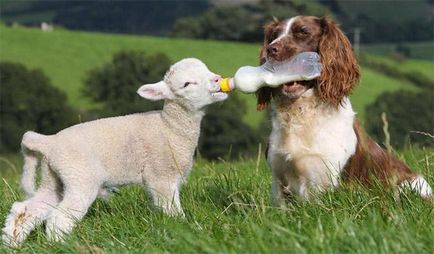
(315, 138)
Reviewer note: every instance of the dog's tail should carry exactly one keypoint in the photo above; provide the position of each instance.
(372, 160)
(33, 145)
(419, 185)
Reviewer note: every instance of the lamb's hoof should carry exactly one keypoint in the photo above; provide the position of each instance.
(174, 212)
(14, 231)
(12, 242)
(55, 235)
(57, 230)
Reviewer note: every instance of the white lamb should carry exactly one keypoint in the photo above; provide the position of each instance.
(154, 149)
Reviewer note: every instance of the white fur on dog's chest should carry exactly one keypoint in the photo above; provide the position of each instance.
(311, 142)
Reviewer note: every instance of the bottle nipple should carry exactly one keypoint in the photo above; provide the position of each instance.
(225, 85)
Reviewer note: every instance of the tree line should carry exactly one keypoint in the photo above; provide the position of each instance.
(382, 21)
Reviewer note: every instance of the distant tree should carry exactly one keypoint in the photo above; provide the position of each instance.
(138, 17)
(283, 9)
(385, 21)
(114, 84)
(224, 134)
(224, 23)
(28, 101)
(243, 23)
(403, 50)
(406, 112)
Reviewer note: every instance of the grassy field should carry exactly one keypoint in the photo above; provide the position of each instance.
(227, 204)
(372, 85)
(228, 210)
(424, 67)
(67, 56)
(418, 50)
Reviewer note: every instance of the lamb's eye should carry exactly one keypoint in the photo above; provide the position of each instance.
(190, 83)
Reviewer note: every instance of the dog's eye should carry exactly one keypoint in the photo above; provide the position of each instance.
(273, 36)
(301, 30)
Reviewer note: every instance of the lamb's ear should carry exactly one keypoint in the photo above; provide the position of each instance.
(156, 91)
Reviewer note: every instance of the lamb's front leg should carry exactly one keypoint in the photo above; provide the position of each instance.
(165, 195)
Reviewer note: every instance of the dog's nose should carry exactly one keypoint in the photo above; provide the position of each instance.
(274, 49)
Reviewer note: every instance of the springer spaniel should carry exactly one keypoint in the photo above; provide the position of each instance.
(315, 139)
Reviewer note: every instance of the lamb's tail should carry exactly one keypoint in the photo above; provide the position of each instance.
(33, 145)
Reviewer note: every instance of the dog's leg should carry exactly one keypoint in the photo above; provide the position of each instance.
(277, 194)
(316, 174)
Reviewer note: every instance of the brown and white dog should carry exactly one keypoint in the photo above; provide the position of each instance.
(315, 138)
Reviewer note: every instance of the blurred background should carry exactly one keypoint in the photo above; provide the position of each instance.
(66, 62)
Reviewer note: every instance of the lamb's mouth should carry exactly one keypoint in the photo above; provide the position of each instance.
(218, 94)
(219, 91)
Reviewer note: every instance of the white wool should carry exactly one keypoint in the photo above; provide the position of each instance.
(154, 149)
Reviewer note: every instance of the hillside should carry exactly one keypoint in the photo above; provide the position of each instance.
(385, 21)
(67, 56)
(417, 50)
(379, 21)
(102, 16)
(424, 67)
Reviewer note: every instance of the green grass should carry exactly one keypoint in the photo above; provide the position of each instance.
(372, 85)
(418, 50)
(425, 67)
(228, 210)
(67, 56)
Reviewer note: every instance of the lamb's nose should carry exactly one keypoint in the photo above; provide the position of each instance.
(217, 78)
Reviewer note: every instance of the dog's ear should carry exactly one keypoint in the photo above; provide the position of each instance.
(269, 30)
(264, 94)
(340, 72)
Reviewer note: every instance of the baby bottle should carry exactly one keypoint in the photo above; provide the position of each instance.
(248, 79)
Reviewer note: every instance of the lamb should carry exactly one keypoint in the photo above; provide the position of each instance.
(154, 149)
